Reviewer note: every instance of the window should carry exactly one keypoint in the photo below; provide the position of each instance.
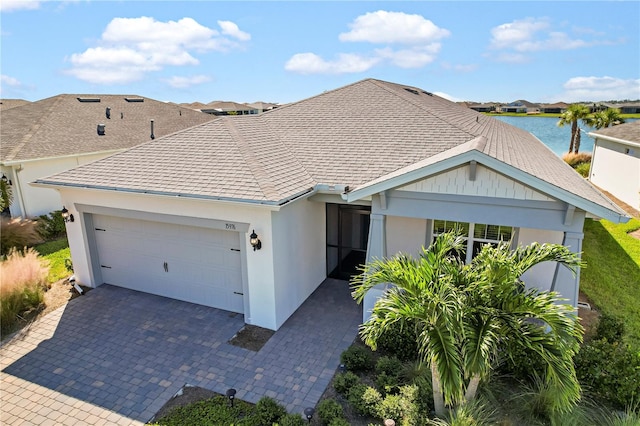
(476, 234)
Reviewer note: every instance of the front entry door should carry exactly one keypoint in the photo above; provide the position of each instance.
(347, 237)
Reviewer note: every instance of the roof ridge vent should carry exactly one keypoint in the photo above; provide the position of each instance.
(88, 99)
(427, 93)
(101, 129)
(134, 99)
(410, 90)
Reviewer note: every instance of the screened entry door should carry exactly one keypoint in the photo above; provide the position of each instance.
(347, 237)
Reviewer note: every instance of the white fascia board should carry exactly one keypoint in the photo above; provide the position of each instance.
(83, 154)
(497, 165)
(596, 136)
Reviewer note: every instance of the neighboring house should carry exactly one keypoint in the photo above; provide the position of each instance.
(324, 184)
(11, 103)
(228, 108)
(624, 107)
(615, 165)
(263, 106)
(55, 134)
(521, 106)
(483, 107)
(557, 108)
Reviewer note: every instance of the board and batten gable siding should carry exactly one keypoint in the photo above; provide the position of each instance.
(616, 168)
(487, 183)
(299, 254)
(257, 267)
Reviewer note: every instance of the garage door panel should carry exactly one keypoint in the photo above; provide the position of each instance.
(198, 265)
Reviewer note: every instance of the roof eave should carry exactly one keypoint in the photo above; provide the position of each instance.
(597, 136)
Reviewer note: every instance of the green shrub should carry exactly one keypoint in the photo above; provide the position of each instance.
(575, 159)
(51, 226)
(268, 411)
(400, 340)
(339, 422)
(24, 280)
(357, 358)
(611, 370)
(402, 407)
(292, 420)
(17, 234)
(391, 366)
(583, 169)
(521, 363)
(213, 411)
(328, 410)
(345, 381)
(358, 403)
(610, 328)
(387, 384)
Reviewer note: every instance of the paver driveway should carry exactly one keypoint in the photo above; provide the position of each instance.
(115, 356)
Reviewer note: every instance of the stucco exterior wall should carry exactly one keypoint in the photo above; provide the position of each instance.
(541, 275)
(299, 254)
(405, 235)
(617, 171)
(259, 277)
(31, 201)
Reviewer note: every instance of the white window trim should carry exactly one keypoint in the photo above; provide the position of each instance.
(470, 239)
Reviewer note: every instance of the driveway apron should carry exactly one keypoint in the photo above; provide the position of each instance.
(115, 356)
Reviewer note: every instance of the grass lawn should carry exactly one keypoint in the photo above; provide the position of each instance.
(611, 279)
(56, 252)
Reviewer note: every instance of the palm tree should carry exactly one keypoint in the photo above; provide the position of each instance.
(606, 118)
(572, 115)
(466, 314)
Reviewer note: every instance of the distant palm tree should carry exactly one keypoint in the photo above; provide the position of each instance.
(604, 119)
(573, 114)
(466, 315)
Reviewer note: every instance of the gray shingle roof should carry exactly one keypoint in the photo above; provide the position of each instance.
(62, 125)
(626, 132)
(12, 103)
(352, 135)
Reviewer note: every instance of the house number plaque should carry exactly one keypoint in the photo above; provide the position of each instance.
(230, 226)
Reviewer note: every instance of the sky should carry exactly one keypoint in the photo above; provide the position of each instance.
(280, 52)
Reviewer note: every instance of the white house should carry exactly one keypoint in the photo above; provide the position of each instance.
(364, 171)
(615, 164)
(58, 133)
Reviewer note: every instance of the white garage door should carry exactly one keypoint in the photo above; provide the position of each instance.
(198, 265)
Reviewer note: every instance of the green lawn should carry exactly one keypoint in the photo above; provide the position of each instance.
(611, 279)
(56, 252)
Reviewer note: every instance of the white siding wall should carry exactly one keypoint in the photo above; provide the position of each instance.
(30, 201)
(541, 275)
(616, 171)
(299, 254)
(487, 183)
(260, 304)
(406, 235)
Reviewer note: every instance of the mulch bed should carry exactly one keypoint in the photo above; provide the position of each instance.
(251, 337)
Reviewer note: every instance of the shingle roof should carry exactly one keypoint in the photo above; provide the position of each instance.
(11, 103)
(351, 136)
(626, 132)
(62, 125)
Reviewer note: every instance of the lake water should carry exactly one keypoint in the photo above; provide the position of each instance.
(556, 138)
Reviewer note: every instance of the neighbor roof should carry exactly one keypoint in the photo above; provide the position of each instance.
(351, 136)
(627, 132)
(67, 125)
(11, 103)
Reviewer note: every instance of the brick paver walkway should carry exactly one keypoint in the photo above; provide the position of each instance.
(115, 356)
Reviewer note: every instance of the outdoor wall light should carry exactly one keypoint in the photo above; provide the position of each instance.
(5, 179)
(308, 412)
(255, 241)
(66, 215)
(231, 394)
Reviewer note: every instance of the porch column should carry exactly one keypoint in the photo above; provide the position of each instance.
(376, 249)
(564, 281)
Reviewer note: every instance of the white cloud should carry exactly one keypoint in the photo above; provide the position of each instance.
(599, 89)
(6, 80)
(419, 37)
(11, 5)
(132, 47)
(310, 63)
(231, 29)
(393, 27)
(185, 82)
(517, 38)
(464, 68)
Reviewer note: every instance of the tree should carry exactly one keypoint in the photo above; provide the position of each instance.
(604, 119)
(573, 114)
(6, 195)
(466, 314)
